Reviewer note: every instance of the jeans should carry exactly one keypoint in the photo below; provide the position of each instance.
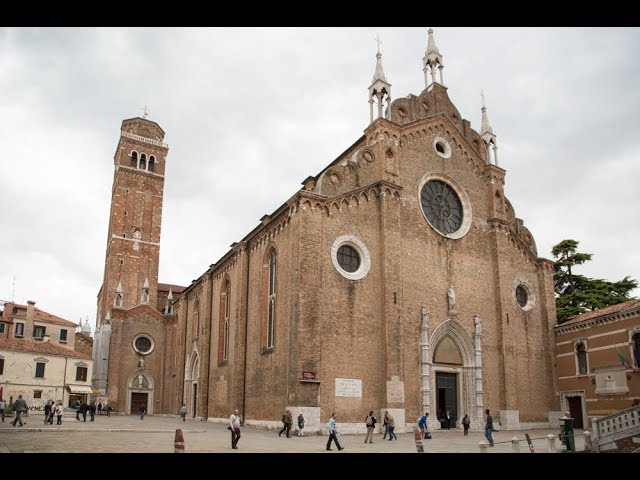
(488, 432)
(235, 436)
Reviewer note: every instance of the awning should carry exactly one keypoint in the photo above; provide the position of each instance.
(79, 389)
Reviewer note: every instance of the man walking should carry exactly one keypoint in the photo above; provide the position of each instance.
(333, 433)
(370, 422)
(183, 412)
(20, 406)
(488, 428)
(3, 407)
(234, 426)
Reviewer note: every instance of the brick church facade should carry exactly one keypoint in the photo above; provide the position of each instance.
(398, 278)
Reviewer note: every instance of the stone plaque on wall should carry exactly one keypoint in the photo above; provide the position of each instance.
(395, 390)
(348, 387)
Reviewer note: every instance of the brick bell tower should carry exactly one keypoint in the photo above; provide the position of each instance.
(133, 239)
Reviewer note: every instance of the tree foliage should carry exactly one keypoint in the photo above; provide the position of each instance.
(576, 294)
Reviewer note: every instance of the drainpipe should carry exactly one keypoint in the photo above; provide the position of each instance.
(64, 379)
(246, 335)
(210, 308)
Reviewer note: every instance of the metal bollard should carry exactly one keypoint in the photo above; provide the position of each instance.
(515, 445)
(178, 443)
(551, 438)
(483, 446)
(588, 443)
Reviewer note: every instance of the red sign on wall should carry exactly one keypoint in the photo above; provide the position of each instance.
(308, 375)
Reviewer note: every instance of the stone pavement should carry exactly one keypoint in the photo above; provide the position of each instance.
(156, 434)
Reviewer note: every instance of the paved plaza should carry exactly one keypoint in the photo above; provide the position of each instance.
(156, 434)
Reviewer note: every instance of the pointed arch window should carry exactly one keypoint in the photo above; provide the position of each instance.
(581, 353)
(268, 321)
(195, 326)
(224, 320)
(635, 342)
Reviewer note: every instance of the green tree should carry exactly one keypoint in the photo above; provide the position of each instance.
(576, 294)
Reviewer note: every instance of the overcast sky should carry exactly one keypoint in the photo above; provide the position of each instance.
(251, 112)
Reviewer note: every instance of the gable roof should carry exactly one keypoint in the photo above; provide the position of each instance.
(601, 312)
(40, 315)
(45, 348)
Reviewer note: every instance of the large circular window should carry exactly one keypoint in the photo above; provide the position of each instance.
(521, 296)
(445, 206)
(143, 344)
(350, 257)
(524, 294)
(442, 206)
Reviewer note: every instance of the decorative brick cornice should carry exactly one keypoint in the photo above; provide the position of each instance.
(140, 138)
(597, 321)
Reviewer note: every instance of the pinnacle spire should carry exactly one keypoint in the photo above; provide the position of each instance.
(431, 61)
(380, 89)
(487, 135)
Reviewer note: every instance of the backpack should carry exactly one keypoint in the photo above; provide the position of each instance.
(369, 421)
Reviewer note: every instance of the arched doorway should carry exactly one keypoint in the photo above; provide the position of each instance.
(451, 374)
(192, 385)
(140, 392)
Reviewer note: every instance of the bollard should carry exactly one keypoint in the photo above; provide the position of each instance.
(515, 445)
(588, 444)
(551, 438)
(178, 443)
(483, 446)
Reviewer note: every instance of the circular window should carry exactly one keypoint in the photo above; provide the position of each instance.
(143, 344)
(350, 257)
(445, 206)
(442, 206)
(442, 147)
(522, 297)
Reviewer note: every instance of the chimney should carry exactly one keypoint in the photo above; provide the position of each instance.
(28, 324)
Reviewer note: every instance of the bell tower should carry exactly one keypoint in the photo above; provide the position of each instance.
(133, 239)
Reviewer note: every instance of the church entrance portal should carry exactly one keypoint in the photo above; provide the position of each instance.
(447, 397)
(138, 399)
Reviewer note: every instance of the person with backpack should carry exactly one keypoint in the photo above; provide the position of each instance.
(466, 421)
(422, 424)
(370, 421)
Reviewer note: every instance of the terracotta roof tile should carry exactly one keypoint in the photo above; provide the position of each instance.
(45, 348)
(601, 312)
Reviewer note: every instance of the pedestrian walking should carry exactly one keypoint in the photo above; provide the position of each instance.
(488, 427)
(391, 426)
(99, 408)
(84, 408)
(142, 410)
(3, 407)
(47, 411)
(370, 422)
(300, 425)
(183, 412)
(466, 421)
(234, 426)
(59, 412)
(77, 406)
(92, 411)
(333, 433)
(109, 408)
(286, 422)
(20, 407)
(385, 424)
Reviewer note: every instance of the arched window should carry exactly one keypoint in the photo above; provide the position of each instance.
(134, 159)
(635, 343)
(152, 163)
(268, 307)
(143, 162)
(195, 325)
(581, 352)
(225, 316)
